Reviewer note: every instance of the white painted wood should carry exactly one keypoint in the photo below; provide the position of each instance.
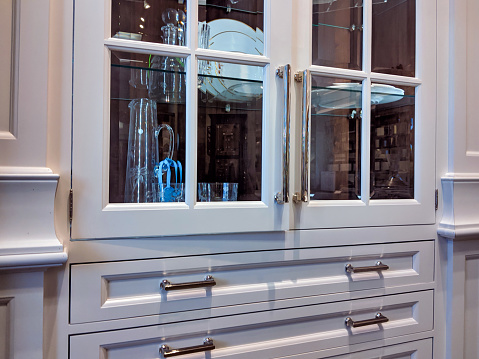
(24, 143)
(5, 309)
(463, 62)
(471, 307)
(94, 217)
(27, 232)
(267, 334)
(462, 283)
(7, 59)
(460, 218)
(117, 290)
(335, 214)
(413, 350)
(21, 304)
(148, 248)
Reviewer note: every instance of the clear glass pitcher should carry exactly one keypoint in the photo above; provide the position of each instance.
(141, 183)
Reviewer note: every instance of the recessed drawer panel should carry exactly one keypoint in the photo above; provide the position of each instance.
(114, 290)
(269, 334)
(419, 349)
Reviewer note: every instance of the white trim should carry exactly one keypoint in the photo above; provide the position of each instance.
(27, 205)
(36, 260)
(460, 220)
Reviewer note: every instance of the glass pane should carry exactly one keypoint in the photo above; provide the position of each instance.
(230, 101)
(162, 21)
(394, 37)
(231, 25)
(392, 142)
(147, 128)
(335, 139)
(338, 33)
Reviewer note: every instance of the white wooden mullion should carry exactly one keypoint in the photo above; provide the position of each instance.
(394, 79)
(105, 183)
(366, 142)
(192, 106)
(237, 58)
(142, 47)
(338, 72)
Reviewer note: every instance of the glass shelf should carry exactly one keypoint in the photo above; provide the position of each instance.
(230, 8)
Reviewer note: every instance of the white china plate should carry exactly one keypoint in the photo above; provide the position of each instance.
(348, 95)
(234, 36)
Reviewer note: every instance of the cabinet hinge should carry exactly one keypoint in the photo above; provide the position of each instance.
(70, 206)
(437, 199)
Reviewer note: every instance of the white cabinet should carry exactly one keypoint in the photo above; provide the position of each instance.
(218, 134)
(268, 334)
(205, 114)
(368, 113)
(172, 98)
(127, 289)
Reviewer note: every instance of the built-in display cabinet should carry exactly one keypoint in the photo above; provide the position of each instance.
(195, 117)
(252, 179)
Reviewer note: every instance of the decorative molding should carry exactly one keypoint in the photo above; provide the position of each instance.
(27, 211)
(460, 220)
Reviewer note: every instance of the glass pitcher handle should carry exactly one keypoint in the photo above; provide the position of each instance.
(171, 148)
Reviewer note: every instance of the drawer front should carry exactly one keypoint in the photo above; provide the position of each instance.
(419, 349)
(115, 290)
(269, 334)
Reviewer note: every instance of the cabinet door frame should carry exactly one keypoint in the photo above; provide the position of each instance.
(93, 215)
(366, 212)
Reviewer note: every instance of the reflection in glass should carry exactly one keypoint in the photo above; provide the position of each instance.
(338, 33)
(392, 142)
(149, 20)
(394, 37)
(233, 25)
(147, 130)
(230, 130)
(335, 139)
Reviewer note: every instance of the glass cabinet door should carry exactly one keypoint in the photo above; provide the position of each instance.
(176, 109)
(368, 113)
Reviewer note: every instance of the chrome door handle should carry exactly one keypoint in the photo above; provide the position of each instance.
(305, 78)
(284, 72)
(167, 352)
(376, 268)
(209, 281)
(378, 319)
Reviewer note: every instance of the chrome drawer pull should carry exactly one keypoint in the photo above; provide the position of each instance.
(361, 323)
(209, 281)
(167, 352)
(378, 267)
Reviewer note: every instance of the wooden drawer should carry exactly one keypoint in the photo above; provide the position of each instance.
(114, 290)
(269, 334)
(419, 349)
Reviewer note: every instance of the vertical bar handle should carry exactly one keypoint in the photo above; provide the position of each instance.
(305, 78)
(284, 72)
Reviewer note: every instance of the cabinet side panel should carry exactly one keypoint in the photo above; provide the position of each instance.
(4, 328)
(471, 308)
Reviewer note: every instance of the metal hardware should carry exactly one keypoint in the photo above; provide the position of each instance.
(376, 268)
(70, 206)
(379, 318)
(305, 77)
(296, 197)
(167, 352)
(209, 281)
(284, 72)
(436, 203)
